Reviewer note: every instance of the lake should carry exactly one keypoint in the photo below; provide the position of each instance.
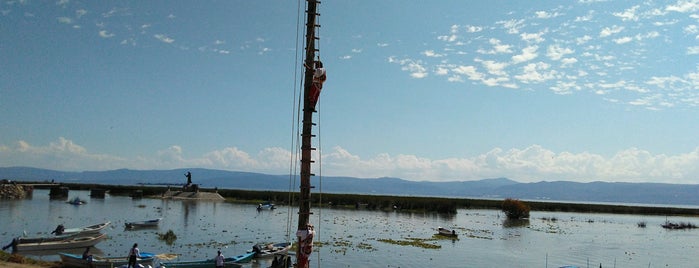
(362, 238)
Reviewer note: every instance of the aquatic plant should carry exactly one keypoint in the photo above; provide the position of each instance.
(169, 237)
(515, 209)
(415, 242)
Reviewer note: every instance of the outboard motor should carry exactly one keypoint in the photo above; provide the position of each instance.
(59, 229)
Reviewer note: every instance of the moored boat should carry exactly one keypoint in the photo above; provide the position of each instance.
(266, 206)
(208, 263)
(77, 201)
(48, 243)
(269, 250)
(446, 232)
(92, 229)
(75, 260)
(141, 224)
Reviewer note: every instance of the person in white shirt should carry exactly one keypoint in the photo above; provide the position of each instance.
(133, 255)
(219, 260)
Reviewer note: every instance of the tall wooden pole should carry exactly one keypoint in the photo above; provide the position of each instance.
(306, 147)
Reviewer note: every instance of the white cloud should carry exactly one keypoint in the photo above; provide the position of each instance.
(431, 53)
(533, 37)
(536, 73)
(684, 6)
(105, 34)
(469, 71)
(65, 20)
(415, 68)
(528, 53)
(628, 14)
(623, 40)
(530, 164)
(512, 26)
(556, 52)
(80, 12)
(607, 31)
(164, 38)
(494, 68)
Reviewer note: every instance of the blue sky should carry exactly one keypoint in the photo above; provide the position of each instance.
(439, 91)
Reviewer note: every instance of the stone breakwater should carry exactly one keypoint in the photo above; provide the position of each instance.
(14, 191)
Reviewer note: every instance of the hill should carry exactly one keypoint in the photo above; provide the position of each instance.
(641, 193)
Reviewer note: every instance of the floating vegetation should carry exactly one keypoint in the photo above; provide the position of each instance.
(415, 242)
(169, 237)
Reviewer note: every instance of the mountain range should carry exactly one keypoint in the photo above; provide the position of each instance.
(494, 188)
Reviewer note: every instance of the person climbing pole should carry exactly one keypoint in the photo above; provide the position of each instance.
(319, 77)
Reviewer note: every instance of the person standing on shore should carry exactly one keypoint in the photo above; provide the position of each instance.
(219, 260)
(133, 255)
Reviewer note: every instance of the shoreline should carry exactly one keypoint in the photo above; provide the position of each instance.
(384, 202)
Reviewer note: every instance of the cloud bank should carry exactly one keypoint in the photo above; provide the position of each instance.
(530, 164)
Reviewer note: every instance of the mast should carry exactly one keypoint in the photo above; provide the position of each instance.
(304, 245)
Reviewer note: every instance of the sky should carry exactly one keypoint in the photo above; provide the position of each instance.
(420, 90)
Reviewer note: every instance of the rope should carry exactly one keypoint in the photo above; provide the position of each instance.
(320, 183)
(294, 147)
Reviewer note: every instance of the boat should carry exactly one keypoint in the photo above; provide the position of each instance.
(60, 230)
(76, 260)
(446, 232)
(77, 201)
(208, 263)
(31, 244)
(142, 224)
(261, 251)
(242, 258)
(266, 206)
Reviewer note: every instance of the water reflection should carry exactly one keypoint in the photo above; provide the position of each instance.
(515, 223)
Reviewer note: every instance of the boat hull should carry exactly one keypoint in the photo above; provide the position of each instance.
(75, 260)
(73, 242)
(143, 224)
(270, 250)
(92, 229)
(197, 264)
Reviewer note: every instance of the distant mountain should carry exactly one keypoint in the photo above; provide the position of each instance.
(643, 193)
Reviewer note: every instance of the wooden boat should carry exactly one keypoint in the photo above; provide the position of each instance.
(14, 244)
(446, 232)
(141, 224)
(92, 229)
(75, 260)
(269, 250)
(208, 263)
(31, 244)
(242, 258)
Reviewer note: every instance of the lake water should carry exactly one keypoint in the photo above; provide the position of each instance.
(358, 238)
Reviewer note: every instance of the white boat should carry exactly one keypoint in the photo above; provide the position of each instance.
(269, 250)
(141, 224)
(75, 260)
(446, 232)
(31, 244)
(92, 229)
(265, 206)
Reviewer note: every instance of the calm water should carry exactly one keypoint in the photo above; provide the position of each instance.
(351, 238)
